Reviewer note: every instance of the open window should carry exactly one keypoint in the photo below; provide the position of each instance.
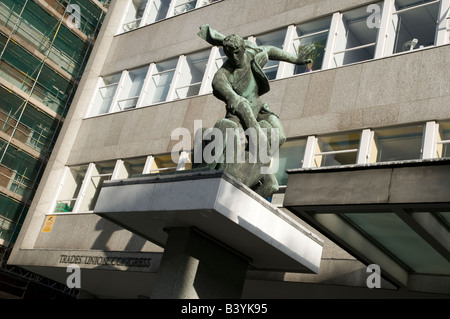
(275, 39)
(339, 149)
(355, 40)
(315, 33)
(413, 25)
(192, 70)
(130, 90)
(157, 89)
(397, 144)
(105, 94)
(443, 143)
(134, 14)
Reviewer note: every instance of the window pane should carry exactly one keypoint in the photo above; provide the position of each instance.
(103, 98)
(443, 146)
(132, 86)
(398, 143)
(71, 188)
(337, 149)
(275, 39)
(160, 83)
(415, 27)
(316, 33)
(159, 10)
(355, 40)
(290, 156)
(192, 75)
(182, 6)
(134, 15)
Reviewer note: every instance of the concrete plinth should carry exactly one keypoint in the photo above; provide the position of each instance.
(212, 227)
(194, 266)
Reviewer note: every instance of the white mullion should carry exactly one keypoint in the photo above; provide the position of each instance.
(182, 160)
(365, 147)
(287, 69)
(146, 13)
(383, 32)
(443, 27)
(119, 168)
(83, 188)
(148, 164)
(310, 150)
(208, 76)
(147, 81)
(430, 139)
(176, 76)
(115, 99)
(331, 41)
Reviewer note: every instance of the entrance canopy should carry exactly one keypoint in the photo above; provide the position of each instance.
(395, 215)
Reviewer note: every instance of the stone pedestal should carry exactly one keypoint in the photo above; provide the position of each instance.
(212, 228)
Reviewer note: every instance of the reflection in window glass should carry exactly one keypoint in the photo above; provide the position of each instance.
(335, 150)
(290, 156)
(398, 144)
(413, 25)
(191, 75)
(355, 42)
(316, 33)
(275, 39)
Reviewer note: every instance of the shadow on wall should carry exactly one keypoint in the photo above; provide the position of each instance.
(107, 230)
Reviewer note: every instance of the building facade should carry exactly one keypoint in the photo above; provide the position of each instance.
(44, 47)
(375, 97)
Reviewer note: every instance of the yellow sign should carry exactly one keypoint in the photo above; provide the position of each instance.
(49, 220)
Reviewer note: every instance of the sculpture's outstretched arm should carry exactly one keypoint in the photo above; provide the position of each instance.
(275, 53)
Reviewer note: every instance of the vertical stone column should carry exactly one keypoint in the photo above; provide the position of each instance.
(194, 266)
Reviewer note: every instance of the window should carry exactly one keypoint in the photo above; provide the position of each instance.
(158, 10)
(192, 70)
(71, 189)
(341, 149)
(82, 184)
(131, 86)
(396, 144)
(355, 41)
(275, 39)
(134, 14)
(443, 145)
(182, 6)
(97, 175)
(290, 156)
(105, 94)
(316, 33)
(158, 87)
(413, 25)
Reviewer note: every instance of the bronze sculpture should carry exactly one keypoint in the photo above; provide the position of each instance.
(239, 83)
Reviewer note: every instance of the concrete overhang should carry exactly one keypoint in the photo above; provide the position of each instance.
(357, 205)
(217, 205)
